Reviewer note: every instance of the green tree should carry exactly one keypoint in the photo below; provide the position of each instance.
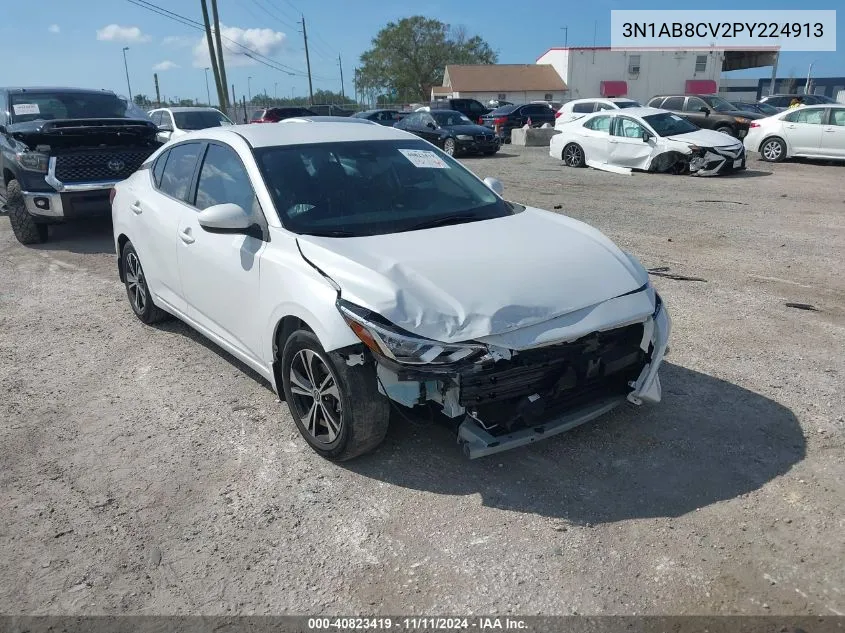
(408, 57)
(141, 100)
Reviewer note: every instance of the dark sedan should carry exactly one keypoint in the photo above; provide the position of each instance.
(507, 118)
(452, 131)
(759, 108)
(382, 117)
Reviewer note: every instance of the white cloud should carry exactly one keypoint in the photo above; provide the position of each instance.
(166, 65)
(263, 41)
(117, 33)
(179, 41)
(54, 28)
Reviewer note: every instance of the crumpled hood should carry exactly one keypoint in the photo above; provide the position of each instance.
(462, 282)
(706, 138)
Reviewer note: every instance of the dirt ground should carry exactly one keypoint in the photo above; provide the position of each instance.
(145, 471)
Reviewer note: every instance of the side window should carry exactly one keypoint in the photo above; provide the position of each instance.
(585, 107)
(837, 116)
(627, 128)
(166, 119)
(655, 102)
(603, 106)
(812, 116)
(476, 108)
(599, 124)
(694, 104)
(156, 118)
(673, 103)
(158, 168)
(176, 178)
(223, 178)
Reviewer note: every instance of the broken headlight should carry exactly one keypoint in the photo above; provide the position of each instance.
(385, 339)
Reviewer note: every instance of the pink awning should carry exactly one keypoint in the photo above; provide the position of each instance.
(614, 88)
(701, 87)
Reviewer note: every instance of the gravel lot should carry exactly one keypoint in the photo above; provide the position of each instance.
(145, 471)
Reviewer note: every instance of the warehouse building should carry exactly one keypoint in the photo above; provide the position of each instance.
(640, 74)
(517, 83)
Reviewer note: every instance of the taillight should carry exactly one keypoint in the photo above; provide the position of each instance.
(481, 120)
(500, 120)
(112, 194)
(754, 124)
(558, 113)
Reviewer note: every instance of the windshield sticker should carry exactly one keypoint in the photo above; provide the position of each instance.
(675, 117)
(26, 108)
(424, 158)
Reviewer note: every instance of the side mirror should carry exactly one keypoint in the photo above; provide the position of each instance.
(495, 185)
(705, 109)
(225, 218)
(646, 137)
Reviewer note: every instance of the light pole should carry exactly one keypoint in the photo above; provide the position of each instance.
(565, 30)
(248, 88)
(809, 72)
(207, 91)
(126, 67)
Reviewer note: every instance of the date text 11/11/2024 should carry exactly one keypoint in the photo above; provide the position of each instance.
(416, 623)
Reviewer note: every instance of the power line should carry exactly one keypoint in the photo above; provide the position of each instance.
(273, 15)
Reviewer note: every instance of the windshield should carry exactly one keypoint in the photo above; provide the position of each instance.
(627, 104)
(48, 106)
(200, 119)
(445, 119)
(719, 104)
(765, 108)
(668, 124)
(352, 189)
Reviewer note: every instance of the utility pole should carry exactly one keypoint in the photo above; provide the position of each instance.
(307, 63)
(220, 90)
(207, 91)
(249, 88)
(220, 54)
(340, 63)
(158, 94)
(126, 67)
(806, 85)
(774, 73)
(565, 30)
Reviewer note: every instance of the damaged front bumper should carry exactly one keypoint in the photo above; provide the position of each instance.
(714, 161)
(511, 398)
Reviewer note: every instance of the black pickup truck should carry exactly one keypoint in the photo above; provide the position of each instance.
(61, 151)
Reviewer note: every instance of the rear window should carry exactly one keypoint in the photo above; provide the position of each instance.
(627, 104)
(584, 107)
(504, 110)
(200, 119)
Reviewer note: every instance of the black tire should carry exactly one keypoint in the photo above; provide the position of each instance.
(24, 226)
(137, 289)
(573, 155)
(726, 129)
(355, 420)
(450, 147)
(773, 150)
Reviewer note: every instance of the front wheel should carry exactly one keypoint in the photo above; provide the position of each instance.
(24, 226)
(773, 150)
(573, 155)
(137, 288)
(449, 147)
(337, 408)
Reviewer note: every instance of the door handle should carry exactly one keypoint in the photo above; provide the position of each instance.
(186, 236)
(612, 141)
(829, 129)
(791, 127)
(136, 208)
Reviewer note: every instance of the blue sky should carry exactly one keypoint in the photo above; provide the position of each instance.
(69, 46)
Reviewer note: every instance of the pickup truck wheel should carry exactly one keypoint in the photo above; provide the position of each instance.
(24, 226)
(726, 129)
(337, 408)
(137, 288)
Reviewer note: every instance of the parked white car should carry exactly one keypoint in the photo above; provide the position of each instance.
(176, 122)
(578, 108)
(359, 268)
(813, 131)
(645, 139)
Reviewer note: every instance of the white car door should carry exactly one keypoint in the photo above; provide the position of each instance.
(156, 211)
(833, 134)
(220, 271)
(594, 136)
(803, 130)
(626, 145)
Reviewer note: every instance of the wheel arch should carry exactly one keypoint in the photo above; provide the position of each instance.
(779, 137)
(122, 240)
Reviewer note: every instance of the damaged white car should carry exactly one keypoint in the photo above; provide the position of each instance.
(645, 139)
(360, 270)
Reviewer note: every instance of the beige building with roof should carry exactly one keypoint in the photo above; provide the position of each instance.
(517, 83)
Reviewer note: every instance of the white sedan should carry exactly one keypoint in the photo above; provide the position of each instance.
(645, 139)
(810, 131)
(359, 269)
(176, 122)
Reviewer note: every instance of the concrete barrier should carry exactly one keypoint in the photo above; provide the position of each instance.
(532, 137)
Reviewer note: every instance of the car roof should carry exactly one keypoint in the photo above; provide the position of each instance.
(57, 89)
(275, 134)
(188, 109)
(637, 112)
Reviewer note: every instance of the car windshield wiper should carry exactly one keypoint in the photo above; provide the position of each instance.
(444, 221)
(332, 233)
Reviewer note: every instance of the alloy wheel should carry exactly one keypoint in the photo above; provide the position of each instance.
(772, 150)
(135, 283)
(316, 396)
(449, 147)
(572, 156)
